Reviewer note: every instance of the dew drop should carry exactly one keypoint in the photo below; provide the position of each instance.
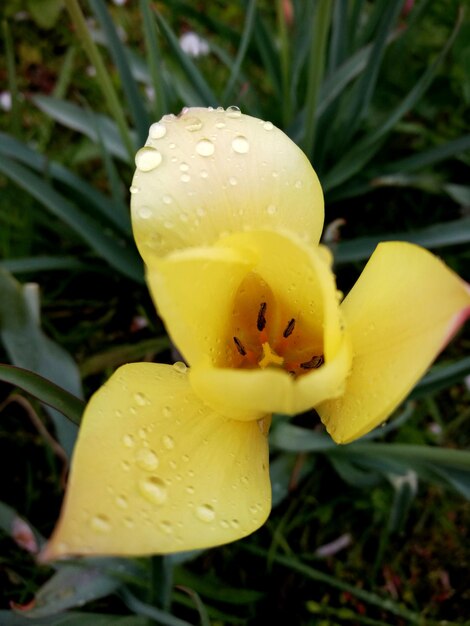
(153, 489)
(234, 523)
(166, 527)
(142, 433)
(146, 459)
(184, 167)
(168, 224)
(157, 130)
(268, 126)
(180, 367)
(233, 112)
(100, 524)
(166, 411)
(144, 212)
(200, 211)
(129, 522)
(147, 159)
(134, 189)
(204, 174)
(172, 146)
(185, 178)
(169, 117)
(167, 199)
(121, 502)
(192, 124)
(128, 441)
(220, 124)
(298, 184)
(168, 442)
(240, 144)
(125, 465)
(205, 147)
(233, 181)
(141, 399)
(205, 513)
(190, 489)
(271, 209)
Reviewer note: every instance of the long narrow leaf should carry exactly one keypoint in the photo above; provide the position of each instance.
(45, 391)
(129, 86)
(154, 60)
(435, 236)
(205, 93)
(40, 164)
(103, 76)
(365, 149)
(245, 40)
(125, 260)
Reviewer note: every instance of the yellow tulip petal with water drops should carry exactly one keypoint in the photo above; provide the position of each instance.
(209, 172)
(402, 311)
(156, 471)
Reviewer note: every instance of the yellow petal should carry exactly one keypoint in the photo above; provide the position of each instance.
(208, 297)
(401, 312)
(156, 471)
(209, 172)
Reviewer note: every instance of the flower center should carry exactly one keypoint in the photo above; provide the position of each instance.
(264, 333)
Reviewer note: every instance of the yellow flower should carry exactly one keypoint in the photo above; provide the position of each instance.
(227, 215)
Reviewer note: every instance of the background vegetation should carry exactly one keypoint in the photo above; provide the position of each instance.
(377, 93)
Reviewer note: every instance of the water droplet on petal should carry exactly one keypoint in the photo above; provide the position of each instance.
(204, 174)
(166, 527)
(129, 522)
(200, 211)
(100, 524)
(268, 126)
(184, 167)
(121, 502)
(224, 523)
(240, 144)
(233, 112)
(190, 489)
(205, 513)
(205, 147)
(271, 209)
(185, 178)
(168, 442)
(298, 184)
(157, 130)
(146, 459)
(141, 399)
(144, 212)
(153, 489)
(167, 199)
(234, 523)
(220, 124)
(125, 465)
(128, 441)
(233, 181)
(166, 411)
(169, 117)
(147, 159)
(134, 189)
(192, 124)
(180, 367)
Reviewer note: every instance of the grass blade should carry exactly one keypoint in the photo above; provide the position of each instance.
(129, 86)
(12, 82)
(34, 264)
(44, 390)
(245, 40)
(103, 76)
(435, 236)
(123, 259)
(204, 92)
(154, 60)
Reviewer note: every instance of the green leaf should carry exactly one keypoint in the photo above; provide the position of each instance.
(436, 236)
(245, 40)
(129, 86)
(33, 264)
(45, 12)
(72, 618)
(154, 60)
(28, 348)
(441, 377)
(123, 259)
(103, 77)
(45, 391)
(74, 117)
(98, 201)
(205, 94)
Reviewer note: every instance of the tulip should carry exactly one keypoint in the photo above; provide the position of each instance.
(227, 215)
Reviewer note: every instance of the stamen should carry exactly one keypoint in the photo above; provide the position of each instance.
(261, 322)
(289, 328)
(240, 347)
(314, 363)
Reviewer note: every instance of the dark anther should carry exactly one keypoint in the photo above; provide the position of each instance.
(314, 362)
(289, 328)
(261, 322)
(240, 347)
